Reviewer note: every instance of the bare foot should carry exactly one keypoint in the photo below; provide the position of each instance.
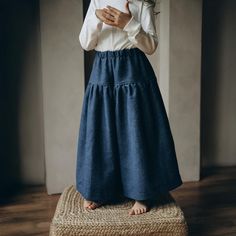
(87, 203)
(91, 205)
(139, 207)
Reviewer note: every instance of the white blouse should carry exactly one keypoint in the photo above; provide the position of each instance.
(139, 32)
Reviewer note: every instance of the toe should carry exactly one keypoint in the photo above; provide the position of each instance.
(131, 212)
(93, 205)
(87, 203)
(87, 206)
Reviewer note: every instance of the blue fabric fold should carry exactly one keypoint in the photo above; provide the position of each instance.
(125, 145)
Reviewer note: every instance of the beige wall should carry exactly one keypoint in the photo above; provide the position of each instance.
(219, 84)
(155, 57)
(180, 78)
(63, 88)
(30, 102)
(185, 83)
(51, 92)
(164, 49)
(63, 85)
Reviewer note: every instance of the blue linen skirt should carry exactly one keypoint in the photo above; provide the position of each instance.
(125, 145)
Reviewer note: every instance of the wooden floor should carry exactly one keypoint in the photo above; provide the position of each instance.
(209, 207)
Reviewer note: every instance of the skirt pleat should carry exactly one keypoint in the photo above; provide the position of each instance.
(125, 145)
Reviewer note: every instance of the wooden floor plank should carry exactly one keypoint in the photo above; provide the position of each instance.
(209, 206)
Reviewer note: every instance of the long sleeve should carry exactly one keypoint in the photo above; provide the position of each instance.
(143, 34)
(91, 28)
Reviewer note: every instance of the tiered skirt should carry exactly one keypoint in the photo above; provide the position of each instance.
(125, 145)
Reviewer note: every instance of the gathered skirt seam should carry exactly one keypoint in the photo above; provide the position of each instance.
(122, 83)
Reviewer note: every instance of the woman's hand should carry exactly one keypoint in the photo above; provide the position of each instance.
(99, 14)
(114, 17)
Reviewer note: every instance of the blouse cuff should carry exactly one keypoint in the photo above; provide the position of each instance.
(132, 27)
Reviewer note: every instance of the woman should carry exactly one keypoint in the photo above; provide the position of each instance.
(125, 145)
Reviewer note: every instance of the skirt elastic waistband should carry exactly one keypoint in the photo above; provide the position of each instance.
(119, 53)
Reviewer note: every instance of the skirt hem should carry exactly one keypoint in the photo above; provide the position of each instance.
(123, 194)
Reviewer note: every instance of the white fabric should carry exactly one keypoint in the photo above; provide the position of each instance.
(139, 32)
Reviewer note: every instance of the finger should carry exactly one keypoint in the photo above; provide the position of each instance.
(108, 16)
(114, 10)
(109, 12)
(103, 18)
(127, 7)
(108, 19)
(109, 22)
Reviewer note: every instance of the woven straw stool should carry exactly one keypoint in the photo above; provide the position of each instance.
(70, 218)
